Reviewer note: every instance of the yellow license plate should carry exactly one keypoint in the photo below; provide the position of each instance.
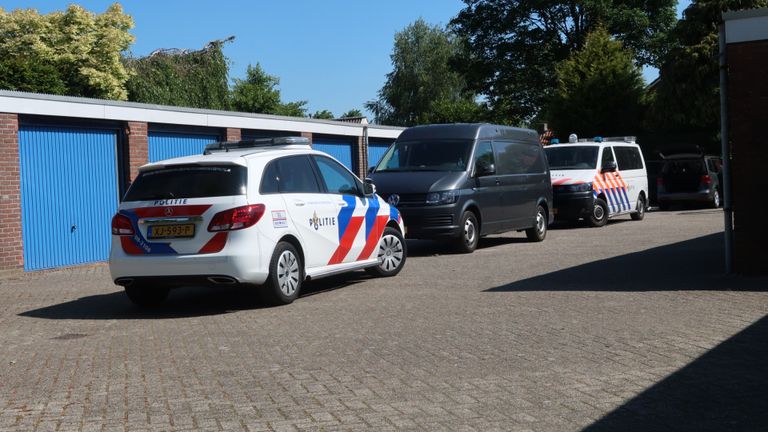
(171, 231)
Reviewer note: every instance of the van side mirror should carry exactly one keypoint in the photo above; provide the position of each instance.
(369, 189)
(484, 168)
(610, 166)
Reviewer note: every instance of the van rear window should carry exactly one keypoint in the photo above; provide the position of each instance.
(188, 182)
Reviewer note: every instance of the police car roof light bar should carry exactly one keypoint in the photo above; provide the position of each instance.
(255, 143)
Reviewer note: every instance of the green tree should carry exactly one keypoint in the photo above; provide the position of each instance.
(687, 96)
(197, 79)
(352, 113)
(421, 79)
(513, 45)
(258, 93)
(599, 90)
(75, 52)
(324, 114)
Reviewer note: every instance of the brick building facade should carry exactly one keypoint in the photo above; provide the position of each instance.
(133, 126)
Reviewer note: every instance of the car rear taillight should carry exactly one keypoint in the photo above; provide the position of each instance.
(121, 225)
(236, 218)
(706, 179)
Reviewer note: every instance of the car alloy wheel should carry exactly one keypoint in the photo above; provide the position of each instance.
(288, 273)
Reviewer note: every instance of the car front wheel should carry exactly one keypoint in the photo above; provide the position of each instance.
(470, 233)
(599, 215)
(392, 254)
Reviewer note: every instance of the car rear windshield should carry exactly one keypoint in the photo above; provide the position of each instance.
(571, 157)
(426, 155)
(188, 182)
(684, 167)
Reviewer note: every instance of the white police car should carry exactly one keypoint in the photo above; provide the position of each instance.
(269, 212)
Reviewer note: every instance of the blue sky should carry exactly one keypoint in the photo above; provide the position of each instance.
(334, 54)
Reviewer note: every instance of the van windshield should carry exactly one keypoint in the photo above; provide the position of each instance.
(571, 157)
(426, 155)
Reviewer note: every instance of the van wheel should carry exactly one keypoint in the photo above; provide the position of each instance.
(147, 296)
(639, 213)
(599, 215)
(470, 233)
(538, 232)
(391, 255)
(286, 274)
(715, 203)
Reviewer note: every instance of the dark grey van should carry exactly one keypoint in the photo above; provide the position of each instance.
(464, 181)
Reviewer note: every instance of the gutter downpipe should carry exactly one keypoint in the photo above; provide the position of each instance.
(727, 198)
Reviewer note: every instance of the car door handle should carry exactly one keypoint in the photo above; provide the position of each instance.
(298, 203)
(342, 203)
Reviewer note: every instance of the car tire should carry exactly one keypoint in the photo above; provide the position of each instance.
(286, 275)
(392, 254)
(639, 213)
(470, 233)
(147, 296)
(538, 232)
(599, 215)
(715, 203)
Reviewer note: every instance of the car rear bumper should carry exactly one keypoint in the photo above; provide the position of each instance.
(243, 268)
(699, 196)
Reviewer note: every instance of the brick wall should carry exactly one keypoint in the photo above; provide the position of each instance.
(232, 134)
(747, 115)
(11, 256)
(137, 149)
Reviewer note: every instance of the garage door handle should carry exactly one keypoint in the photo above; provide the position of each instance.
(73, 228)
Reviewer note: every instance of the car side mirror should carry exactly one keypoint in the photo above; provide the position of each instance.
(610, 167)
(371, 168)
(483, 168)
(369, 189)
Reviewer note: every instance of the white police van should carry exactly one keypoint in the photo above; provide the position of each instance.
(598, 179)
(266, 212)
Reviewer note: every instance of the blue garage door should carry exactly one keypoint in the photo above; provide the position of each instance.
(375, 152)
(341, 150)
(168, 145)
(69, 193)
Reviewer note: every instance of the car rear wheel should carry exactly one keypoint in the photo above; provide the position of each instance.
(639, 213)
(147, 296)
(599, 215)
(392, 254)
(470, 233)
(715, 203)
(538, 232)
(286, 274)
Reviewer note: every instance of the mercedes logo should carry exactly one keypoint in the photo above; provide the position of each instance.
(168, 211)
(394, 199)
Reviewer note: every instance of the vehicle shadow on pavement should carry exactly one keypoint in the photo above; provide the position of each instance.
(696, 264)
(723, 390)
(426, 248)
(181, 303)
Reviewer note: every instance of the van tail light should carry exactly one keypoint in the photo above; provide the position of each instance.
(706, 179)
(236, 218)
(121, 225)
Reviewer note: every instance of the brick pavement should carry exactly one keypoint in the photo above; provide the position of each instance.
(580, 331)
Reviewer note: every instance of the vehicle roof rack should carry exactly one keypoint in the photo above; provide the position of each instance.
(291, 142)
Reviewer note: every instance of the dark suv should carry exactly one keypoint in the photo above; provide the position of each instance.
(690, 178)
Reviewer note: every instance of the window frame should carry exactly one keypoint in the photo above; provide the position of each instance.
(321, 180)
